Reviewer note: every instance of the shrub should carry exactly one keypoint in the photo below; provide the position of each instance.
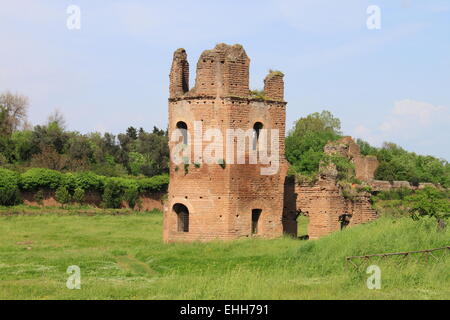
(306, 140)
(429, 202)
(39, 197)
(154, 184)
(109, 169)
(394, 194)
(69, 181)
(62, 195)
(39, 178)
(131, 195)
(9, 188)
(78, 195)
(258, 94)
(90, 181)
(113, 194)
(136, 162)
(345, 168)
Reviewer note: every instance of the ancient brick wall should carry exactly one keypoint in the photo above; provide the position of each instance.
(274, 86)
(221, 199)
(379, 185)
(325, 205)
(222, 71)
(324, 202)
(365, 166)
(179, 74)
(150, 201)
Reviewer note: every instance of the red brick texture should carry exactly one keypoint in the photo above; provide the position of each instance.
(365, 166)
(220, 199)
(324, 204)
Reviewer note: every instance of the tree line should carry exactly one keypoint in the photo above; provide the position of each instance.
(137, 152)
(306, 140)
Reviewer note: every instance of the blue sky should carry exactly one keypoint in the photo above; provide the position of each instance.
(391, 84)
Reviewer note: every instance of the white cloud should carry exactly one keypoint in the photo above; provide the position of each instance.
(410, 114)
(416, 125)
(362, 131)
(324, 16)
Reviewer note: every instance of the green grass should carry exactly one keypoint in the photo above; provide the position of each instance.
(302, 226)
(122, 256)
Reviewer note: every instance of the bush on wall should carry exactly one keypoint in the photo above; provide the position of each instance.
(39, 178)
(154, 184)
(90, 181)
(62, 195)
(113, 194)
(9, 188)
(114, 189)
(78, 195)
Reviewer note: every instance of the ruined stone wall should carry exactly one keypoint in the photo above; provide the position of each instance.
(365, 166)
(380, 185)
(274, 86)
(324, 204)
(220, 199)
(179, 74)
(150, 201)
(202, 190)
(222, 71)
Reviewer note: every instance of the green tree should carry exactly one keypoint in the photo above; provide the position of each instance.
(132, 133)
(136, 162)
(113, 194)
(430, 202)
(24, 148)
(305, 142)
(78, 195)
(62, 195)
(365, 148)
(9, 188)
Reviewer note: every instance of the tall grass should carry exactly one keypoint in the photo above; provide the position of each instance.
(122, 256)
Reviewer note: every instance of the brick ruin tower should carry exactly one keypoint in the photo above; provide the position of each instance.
(209, 201)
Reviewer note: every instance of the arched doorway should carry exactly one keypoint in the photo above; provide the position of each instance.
(182, 213)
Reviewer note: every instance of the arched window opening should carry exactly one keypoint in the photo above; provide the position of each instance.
(182, 126)
(256, 213)
(182, 217)
(256, 130)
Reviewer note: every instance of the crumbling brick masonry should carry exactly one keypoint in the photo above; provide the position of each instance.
(221, 201)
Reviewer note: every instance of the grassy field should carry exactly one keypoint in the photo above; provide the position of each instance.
(121, 256)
